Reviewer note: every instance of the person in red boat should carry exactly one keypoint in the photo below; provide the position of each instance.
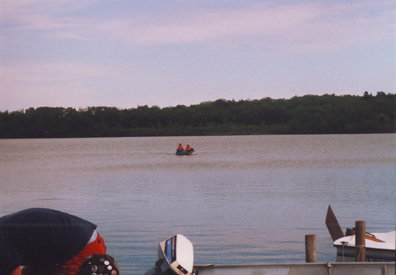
(188, 148)
(46, 241)
(180, 148)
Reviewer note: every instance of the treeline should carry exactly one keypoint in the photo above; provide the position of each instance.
(309, 114)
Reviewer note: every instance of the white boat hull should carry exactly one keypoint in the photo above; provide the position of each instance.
(347, 254)
(380, 247)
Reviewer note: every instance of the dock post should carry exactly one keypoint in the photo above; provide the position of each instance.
(360, 241)
(310, 248)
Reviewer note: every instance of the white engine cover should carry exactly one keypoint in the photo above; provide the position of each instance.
(179, 253)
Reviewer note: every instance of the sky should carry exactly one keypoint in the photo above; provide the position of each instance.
(129, 53)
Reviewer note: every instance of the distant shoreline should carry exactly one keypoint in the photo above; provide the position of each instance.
(310, 114)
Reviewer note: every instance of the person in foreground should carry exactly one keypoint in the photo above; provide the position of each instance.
(46, 241)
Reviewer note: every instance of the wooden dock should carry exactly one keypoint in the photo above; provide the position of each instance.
(333, 268)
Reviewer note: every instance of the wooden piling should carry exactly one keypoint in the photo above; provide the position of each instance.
(360, 241)
(310, 248)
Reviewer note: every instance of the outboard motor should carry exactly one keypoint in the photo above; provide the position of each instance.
(175, 257)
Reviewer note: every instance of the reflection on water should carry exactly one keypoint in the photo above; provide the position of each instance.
(240, 199)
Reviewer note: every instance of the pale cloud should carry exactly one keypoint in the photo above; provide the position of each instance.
(61, 53)
(12, 8)
(46, 18)
(294, 27)
(44, 84)
(39, 22)
(66, 84)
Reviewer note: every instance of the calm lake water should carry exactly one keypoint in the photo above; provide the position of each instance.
(240, 199)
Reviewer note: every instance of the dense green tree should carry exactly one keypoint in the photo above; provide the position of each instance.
(309, 114)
